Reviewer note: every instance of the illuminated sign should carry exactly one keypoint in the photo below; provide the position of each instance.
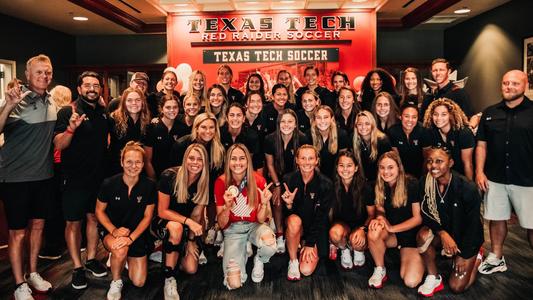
(270, 55)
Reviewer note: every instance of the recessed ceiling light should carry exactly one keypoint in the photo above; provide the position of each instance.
(252, 2)
(463, 10)
(181, 4)
(80, 18)
(286, 1)
(358, 0)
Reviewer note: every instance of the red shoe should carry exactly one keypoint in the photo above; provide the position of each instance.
(431, 285)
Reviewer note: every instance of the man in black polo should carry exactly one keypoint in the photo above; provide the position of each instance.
(504, 160)
(81, 135)
(224, 78)
(440, 70)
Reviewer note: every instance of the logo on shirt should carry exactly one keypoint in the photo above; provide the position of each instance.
(415, 142)
(159, 137)
(241, 209)
(175, 137)
(400, 143)
(117, 198)
(139, 198)
(312, 195)
(259, 127)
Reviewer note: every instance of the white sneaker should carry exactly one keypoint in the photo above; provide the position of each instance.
(258, 272)
(202, 260)
(346, 259)
(23, 292)
(431, 285)
(170, 290)
(249, 250)
(492, 264)
(220, 238)
(211, 234)
(280, 245)
(115, 290)
(108, 262)
(156, 256)
(38, 283)
(220, 252)
(378, 278)
(293, 273)
(358, 258)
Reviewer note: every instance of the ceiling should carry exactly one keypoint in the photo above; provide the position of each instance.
(149, 16)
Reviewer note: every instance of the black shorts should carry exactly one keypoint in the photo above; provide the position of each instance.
(24, 201)
(407, 239)
(139, 248)
(78, 201)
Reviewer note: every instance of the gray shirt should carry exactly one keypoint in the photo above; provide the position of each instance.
(27, 154)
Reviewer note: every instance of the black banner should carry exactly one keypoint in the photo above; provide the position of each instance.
(270, 55)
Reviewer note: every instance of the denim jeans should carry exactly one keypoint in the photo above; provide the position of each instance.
(235, 238)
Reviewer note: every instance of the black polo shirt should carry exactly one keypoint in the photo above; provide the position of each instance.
(247, 137)
(509, 136)
(188, 129)
(327, 159)
(166, 186)
(346, 124)
(304, 123)
(370, 167)
(126, 208)
(82, 162)
(234, 95)
(410, 148)
(456, 141)
(452, 92)
(397, 215)
(326, 96)
(311, 203)
(117, 142)
(271, 115)
(161, 139)
(346, 211)
(258, 125)
(288, 153)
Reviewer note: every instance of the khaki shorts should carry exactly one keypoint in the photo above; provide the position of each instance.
(500, 198)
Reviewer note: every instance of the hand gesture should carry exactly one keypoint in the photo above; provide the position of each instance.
(14, 96)
(228, 199)
(194, 227)
(265, 194)
(288, 196)
(448, 243)
(154, 121)
(75, 119)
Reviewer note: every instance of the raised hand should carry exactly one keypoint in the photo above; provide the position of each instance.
(288, 196)
(228, 199)
(75, 119)
(14, 96)
(265, 194)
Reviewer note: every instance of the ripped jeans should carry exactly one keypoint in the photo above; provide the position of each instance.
(235, 238)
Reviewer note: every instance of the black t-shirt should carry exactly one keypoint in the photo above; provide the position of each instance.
(166, 186)
(452, 92)
(288, 153)
(410, 148)
(123, 209)
(247, 137)
(160, 139)
(456, 141)
(400, 214)
(347, 124)
(327, 159)
(271, 116)
(116, 142)
(181, 118)
(82, 162)
(326, 96)
(347, 213)
(234, 95)
(370, 167)
(154, 102)
(304, 124)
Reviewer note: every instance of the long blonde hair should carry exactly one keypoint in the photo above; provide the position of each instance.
(61, 95)
(217, 149)
(182, 176)
(203, 94)
(333, 144)
(251, 185)
(458, 118)
(399, 193)
(375, 135)
(121, 115)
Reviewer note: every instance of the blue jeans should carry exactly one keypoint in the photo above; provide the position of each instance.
(235, 238)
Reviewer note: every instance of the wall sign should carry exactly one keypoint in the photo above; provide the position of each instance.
(226, 56)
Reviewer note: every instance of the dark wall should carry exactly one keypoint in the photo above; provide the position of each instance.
(411, 46)
(22, 40)
(121, 49)
(487, 46)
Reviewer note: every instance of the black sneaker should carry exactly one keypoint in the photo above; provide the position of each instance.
(96, 268)
(79, 281)
(50, 253)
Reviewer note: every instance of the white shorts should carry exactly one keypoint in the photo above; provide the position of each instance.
(500, 197)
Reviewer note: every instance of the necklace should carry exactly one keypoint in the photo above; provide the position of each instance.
(442, 196)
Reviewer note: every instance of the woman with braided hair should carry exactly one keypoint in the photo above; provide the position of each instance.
(451, 220)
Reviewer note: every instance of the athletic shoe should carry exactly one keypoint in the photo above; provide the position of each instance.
(378, 278)
(23, 292)
(108, 262)
(156, 256)
(358, 258)
(170, 290)
(219, 239)
(220, 252)
(96, 268)
(258, 272)
(480, 254)
(38, 284)
(202, 260)
(492, 264)
(249, 250)
(115, 290)
(293, 273)
(280, 245)
(210, 238)
(332, 252)
(346, 259)
(431, 285)
(50, 253)
(79, 280)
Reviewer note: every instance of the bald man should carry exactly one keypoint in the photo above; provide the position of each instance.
(504, 160)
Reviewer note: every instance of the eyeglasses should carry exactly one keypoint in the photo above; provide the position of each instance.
(130, 163)
(89, 86)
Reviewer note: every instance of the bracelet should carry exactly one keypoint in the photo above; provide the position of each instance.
(184, 222)
(129, 237)
(277, 184)
(69, 131)
(191, 239)
(113, 232)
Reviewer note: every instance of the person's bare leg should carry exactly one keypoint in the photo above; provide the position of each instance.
(92, 236)
(278, 218)
(73, 239)
(498, 233)
(16, 253)
(36, 238)
(293, 235)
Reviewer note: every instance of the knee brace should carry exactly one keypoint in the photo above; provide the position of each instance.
(168, 247)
